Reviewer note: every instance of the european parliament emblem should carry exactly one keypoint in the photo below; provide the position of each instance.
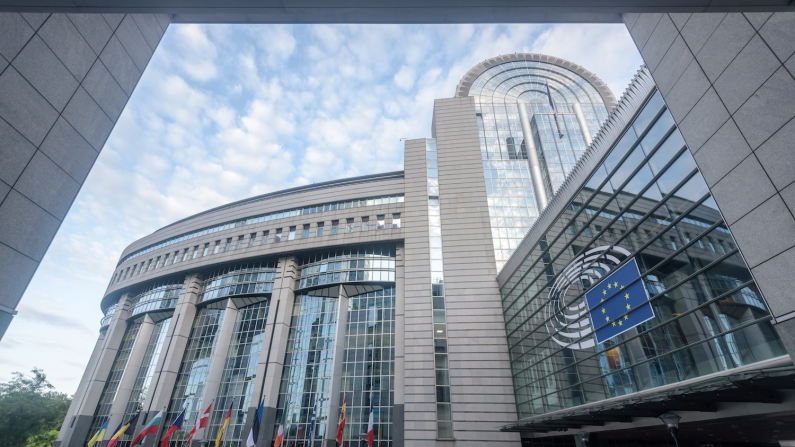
(619, 302)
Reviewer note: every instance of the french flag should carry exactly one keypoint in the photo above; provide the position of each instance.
(370, 430)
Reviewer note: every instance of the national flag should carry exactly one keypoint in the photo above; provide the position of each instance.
(201, 423)
(277, 442)
(549, 96)
(312, 424)
(224, 425)
(341, 425)
(370, 432)
(99, 434)
(149, 429)
(177, 425)
(122, 430)
(254, 433)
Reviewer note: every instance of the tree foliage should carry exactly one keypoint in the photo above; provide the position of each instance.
(30, 409)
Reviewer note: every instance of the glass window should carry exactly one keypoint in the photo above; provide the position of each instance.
(365, 223)
(165, 259)
(206, 249)
(396, 220)
(381, 219)
(240, 241)
(305, 233)
(335, 225)
(176, 257)
(349, 225)
(278, 236)
(157, 263)
(252, 239)
(217, 247)
(195, 252)
(291, 234)
(265, 235)
(228, 244)
(320, 228)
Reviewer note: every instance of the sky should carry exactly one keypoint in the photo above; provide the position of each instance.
(225, 112)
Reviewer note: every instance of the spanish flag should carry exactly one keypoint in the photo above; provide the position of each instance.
(122, 430)
(99, 434)
(224, 425)
(341, 425)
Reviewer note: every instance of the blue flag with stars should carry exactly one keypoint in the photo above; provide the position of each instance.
(619, 302)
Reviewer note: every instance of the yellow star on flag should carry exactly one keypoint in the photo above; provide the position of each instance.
(614, 323)
(622, 287)
(609, 286)
(626, 295)
(626, 317)
(615, 284)
(602, 300)
(604, 292)
(607, 318)
(603, 310)
(627, 306)
(620, 323)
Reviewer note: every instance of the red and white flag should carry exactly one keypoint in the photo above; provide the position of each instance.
(370, 431)
(201, 423)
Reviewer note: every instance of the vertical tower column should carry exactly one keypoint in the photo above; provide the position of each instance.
(85, 405)
(398, 416)
(66, 426)
(532, 156)
(729, 83)
(174, 347)
(223, 339)
(336, 373)
(130, 373)
(586, 134)
(283, 297)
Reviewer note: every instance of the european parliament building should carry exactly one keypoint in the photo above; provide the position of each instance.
(460, 297)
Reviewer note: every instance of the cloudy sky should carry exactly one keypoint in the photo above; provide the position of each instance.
(225, 112)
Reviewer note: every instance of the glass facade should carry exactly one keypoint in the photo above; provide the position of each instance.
(158, 296)
(240, 373)
(192, 376)
(548, 93)
(308, 364)
(114, 378)
(645, 201)
(368, 370)
(348, 265)
(256, 277)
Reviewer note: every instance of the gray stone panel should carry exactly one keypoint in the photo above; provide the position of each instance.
(729, 38)
(68, 44)
(24, 108)
(779, 33)
(48, 186)
(25, 226)
(674, 63)
(35, 19)
(644, 27)
(742, 190)
(88, 119)
(120, 65)
(150, 28)
(767, 110)
(689, 88)
(41, 67)
(105, 91)
(4, 189)
(113, 20)
(699, 28)
(725, 150)
(163, 20)
(133, 41)
(69, 150)
(94, 29)
(776, 279)
(14, 276)
(659, 42)
(770, 218)
(776, 158)
(14, 34)
(757, 19)
(704, 119)
(3, 64)
(15, 151)
(746, 73)
(680, 19)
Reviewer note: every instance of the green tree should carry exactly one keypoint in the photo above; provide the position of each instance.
(29, 409)
(45, 439)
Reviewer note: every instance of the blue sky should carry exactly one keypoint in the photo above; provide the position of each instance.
(224, 112)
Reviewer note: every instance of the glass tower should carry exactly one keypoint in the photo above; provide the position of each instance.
(536, 116)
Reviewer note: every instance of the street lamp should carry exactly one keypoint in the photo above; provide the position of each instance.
(671, 421)
(583, 437)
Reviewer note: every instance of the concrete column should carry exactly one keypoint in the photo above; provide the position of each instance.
(221, 350)
(532, 156)
(170, 359)
(130, 374)
(283, 297)
(64, 81)
(586, 134)
(335, 399)
(400, 349)
(728, 81)
(87, 404)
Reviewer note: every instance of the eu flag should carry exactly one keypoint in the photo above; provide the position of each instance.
(619, 302)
